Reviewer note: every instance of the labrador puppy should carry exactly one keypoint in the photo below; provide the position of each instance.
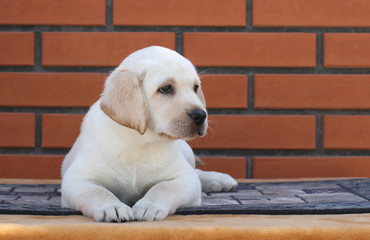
(131, 161)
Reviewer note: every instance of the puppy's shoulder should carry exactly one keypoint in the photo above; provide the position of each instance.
(186, 151)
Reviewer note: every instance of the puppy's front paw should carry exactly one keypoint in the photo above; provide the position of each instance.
(218, 182)
(114, 212)
(146, 210)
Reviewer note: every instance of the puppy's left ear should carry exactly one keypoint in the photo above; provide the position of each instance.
(123, 100)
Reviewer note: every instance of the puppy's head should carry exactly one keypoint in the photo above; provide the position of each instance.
(156, 88)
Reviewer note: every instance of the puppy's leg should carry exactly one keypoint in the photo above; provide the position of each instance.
(215, 181)
(95, 201)
(164, 198)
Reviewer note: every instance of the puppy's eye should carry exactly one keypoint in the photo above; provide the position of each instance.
(196, 88)
(167, 89)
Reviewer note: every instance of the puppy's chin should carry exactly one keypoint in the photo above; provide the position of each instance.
(189, 136)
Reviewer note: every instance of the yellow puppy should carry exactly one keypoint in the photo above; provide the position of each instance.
(131, 161)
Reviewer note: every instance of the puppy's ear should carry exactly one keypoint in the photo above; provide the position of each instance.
(123, 101)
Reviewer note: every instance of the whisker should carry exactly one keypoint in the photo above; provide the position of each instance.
(202, 72)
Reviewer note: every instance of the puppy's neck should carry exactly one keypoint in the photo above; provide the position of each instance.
(132, 137)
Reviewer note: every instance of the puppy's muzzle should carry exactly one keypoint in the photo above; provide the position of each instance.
(198, 116)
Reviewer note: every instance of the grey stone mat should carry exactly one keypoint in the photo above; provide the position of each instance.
(314, 197)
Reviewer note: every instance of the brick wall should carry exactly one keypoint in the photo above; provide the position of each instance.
(287, 82)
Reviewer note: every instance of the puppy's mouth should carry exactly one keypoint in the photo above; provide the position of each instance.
(187, 127)
(187, 138)
(189, 135)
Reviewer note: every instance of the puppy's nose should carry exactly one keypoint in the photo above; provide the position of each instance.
(198, 116)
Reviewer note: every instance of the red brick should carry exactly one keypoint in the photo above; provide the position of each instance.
(235, 166)
(17, 49)
(346, 132)
(97, 48)
(281, 91)
(225, 91)
(17, 130)
(60, 130)
(259, 132)
(310, 167)
(50, 89)
(179, 13)
(30, 166)
(226, 132)
(83, 89)
(251, 49)
(347, 50)
(51, 12)
(311, 13)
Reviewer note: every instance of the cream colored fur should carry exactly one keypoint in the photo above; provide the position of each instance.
(131, 161)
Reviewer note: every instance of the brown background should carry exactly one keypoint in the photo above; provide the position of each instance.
(287, 82)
